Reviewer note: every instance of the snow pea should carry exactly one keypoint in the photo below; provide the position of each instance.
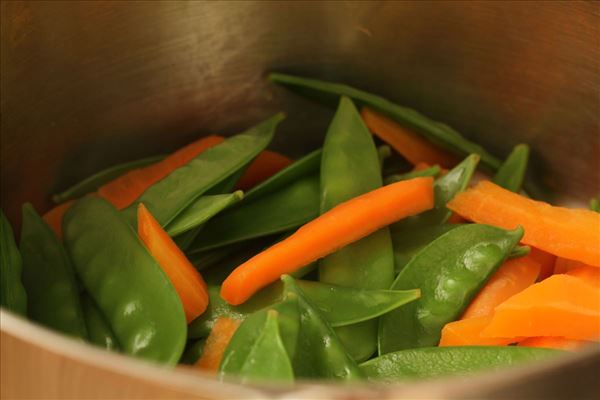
(280, 211)
(99, 331)
(12, 295)
(193, 352)
(519, 251)
(350, 167)
(449, 271)
(49, 279)
(268, 339)
(319, 353)
(169, 196)
(512, 172)
(431, 171)
(432, 362)
(92, 183)
(129, 287)
(383, 153)
(441, 134)
(595, 205)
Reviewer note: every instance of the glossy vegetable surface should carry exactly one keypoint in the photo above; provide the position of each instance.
(99, 331)
(12, 293)
(512, 171)
(216, 343)
(429, 171)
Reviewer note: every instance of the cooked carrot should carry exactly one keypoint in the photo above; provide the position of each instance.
(267, 164)
(467, 332)
(456, 219)
(546, 261)
(553, 342)
(560, 305)
(568, 233)
(54, 217)
(216, 343)
(411, 146)
(511, 278)
(124, 190)
(338, 227)
(564, 265)
(588, 274)
(186, 280)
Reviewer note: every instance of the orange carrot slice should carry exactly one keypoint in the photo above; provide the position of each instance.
(186, 280)
(560, 305)
(553, 342)
(340, 226)
(411, 146)
(216, 343)
(546, 261)
(467, 332)
(588, 274)
(267, 164)
(568, 233)
(511, 278)
(124, 190)
(564, 265)
(54, 217)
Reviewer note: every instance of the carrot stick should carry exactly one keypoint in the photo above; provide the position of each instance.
(553, 342)
(411, 146)
(340, 226)
(560, 305)
(590, 275)
(54, 217)
(568, 233)
(267, 164)
(546, 261)
(186, 280)
(216, 343)
(511, 278)
(564, 265)
(467, 332)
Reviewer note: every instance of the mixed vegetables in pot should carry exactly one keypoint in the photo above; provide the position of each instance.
(399, 250)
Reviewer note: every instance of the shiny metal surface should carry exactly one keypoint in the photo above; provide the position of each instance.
(88, 84)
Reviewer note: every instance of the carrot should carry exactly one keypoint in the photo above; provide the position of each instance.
(564, 265)
(568, 233)
(553, 342)
(511, 278)
(411, 146)
(54, 217)
(186, 280)
(590, 275)
(560, 305)
(340, 226)
(467, 332)
(216, 343)
(546, 261)
(124, 190)
(267, 164)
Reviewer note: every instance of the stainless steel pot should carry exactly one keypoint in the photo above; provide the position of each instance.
(88, 84)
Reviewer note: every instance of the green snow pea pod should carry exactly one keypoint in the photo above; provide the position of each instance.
(319, 353)
(193, 352)
(12, 295)
(383, 153)
(129, 287)
(512, 172)
(433, 362)
(49, 279)
(92, 183)
(288, 208)
(441, 134)
(171, 195)
(431, 171)
(595, 205)
(449, 271)
(519, 251)
(349, 168)
(99, 331)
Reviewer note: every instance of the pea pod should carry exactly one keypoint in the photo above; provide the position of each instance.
(433, 362)
(383, 153)
(12, 294)
(431, 171)
(99, 331)
(264, 344)
(193, 352)
(512, 172)
(125, 281)
(169, 196)
(350, 168)
(519, 251)
(319, 354)
(280, 211)
(449, 271)
(437, 132)
(92, 183)
(49, 279)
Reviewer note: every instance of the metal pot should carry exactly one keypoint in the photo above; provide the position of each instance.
(89, 84)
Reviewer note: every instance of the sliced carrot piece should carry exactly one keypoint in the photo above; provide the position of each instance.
(511, 278)
(560, 305)
(186, 280)
(410, 145)
(54, 217)
(564, 265)
(267, 164)
(553, 342)
(546, 261)
(467, 332)
(568, 233)
(340, 226)
(124, 190)
(216, 343)
(588, 274)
